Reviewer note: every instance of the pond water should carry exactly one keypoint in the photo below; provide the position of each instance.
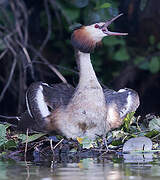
(113, 168)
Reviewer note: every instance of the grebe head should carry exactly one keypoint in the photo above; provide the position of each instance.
(87, 38)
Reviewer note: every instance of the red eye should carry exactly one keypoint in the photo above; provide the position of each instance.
(96, 26)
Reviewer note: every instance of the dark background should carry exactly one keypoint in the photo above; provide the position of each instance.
(35, 38)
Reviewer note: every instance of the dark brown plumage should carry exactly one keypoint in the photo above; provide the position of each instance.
(82, 40)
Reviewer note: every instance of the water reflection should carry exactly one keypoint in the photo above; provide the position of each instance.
(138, 157)
(86, 169)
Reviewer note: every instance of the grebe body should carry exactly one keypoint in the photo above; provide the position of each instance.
(88, 110)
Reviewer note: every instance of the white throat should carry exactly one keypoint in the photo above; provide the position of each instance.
(87, 75)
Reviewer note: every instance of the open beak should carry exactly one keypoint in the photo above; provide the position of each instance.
(107, 23)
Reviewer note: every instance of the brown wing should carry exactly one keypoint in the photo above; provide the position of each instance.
(125, 100)
(58, 94)
(52, 96)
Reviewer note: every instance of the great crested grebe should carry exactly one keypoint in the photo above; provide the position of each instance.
(87, 110)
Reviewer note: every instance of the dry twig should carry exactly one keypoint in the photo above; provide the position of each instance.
(9, 79)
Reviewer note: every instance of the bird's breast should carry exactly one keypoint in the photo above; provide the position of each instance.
(85, 115)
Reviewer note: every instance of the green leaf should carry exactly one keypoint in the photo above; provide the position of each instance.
(139, 60)
(71, 14)
(152, 133)
(3, 129)
(10, 144)
(158, 45)
(154, 65)
(154, 124)
(112, 41)
(31, 138)
(128, 120)
(79, 3)
(151, 39)
(118, 134)
(4, 142)
(102, 6)
(117, 142)
(3, 138)
(144, 65)
(121, 55)
(86, 142)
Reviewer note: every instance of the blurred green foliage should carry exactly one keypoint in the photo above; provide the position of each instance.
(67, 15)
(110, 61)
(70, 13)
(115, 50)
(7, 141)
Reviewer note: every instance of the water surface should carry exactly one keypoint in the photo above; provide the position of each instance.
(85, 169)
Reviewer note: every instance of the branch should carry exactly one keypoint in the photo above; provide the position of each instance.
(10, 117)
(17, 22)
(3, 53)
(9, 79)
(25, 14)
(49, 65)
(27, 57)
(49, 26)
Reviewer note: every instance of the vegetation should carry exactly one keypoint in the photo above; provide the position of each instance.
(41, 147)
(35, 46)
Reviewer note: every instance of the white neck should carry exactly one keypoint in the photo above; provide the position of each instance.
(87, 75)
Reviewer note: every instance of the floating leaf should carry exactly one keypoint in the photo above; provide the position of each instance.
(137, 144)
(154, 65)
